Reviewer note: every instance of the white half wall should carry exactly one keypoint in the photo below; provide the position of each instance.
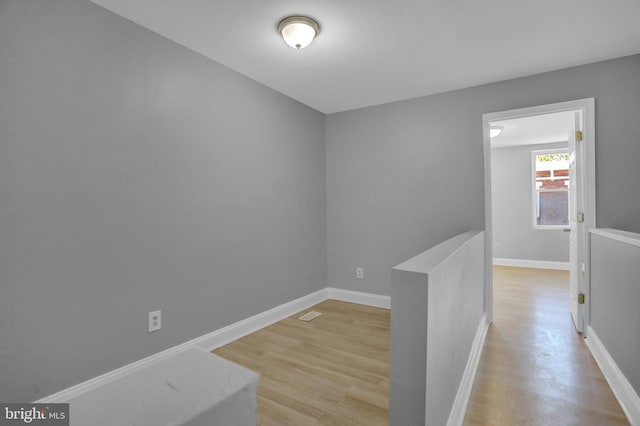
(437, 330)
(614, 332)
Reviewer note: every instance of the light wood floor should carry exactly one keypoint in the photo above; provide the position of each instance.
(535, 368)
(333, 370)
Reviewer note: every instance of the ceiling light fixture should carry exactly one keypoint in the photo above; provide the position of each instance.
(495, 131)
(298, 31)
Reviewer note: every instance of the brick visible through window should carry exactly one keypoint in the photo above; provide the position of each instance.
(551, 185)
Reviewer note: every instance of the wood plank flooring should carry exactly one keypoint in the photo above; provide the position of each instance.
(333, 370)
(535, 368)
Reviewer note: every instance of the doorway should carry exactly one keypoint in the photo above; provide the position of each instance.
(581, 216)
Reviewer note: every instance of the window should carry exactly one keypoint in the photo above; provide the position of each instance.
(550, 189)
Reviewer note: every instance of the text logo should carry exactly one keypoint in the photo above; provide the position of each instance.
(34, 414)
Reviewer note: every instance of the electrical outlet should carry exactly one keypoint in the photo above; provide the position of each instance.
(155, 321)
(360, 273)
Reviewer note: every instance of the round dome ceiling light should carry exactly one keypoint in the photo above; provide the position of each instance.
(298, 31)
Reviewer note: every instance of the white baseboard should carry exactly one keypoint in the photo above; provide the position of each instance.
(208, 342)
(526, 263)
(252, 324)
(622, 389)
(222, 336)
(376, 300)
(459, 408)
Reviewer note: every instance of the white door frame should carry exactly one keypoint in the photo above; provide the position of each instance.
(587, 106)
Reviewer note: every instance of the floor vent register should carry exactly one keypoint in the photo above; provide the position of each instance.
(310, 315)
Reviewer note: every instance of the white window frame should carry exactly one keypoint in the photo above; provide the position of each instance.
(534, 190)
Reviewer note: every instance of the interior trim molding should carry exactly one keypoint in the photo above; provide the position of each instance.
(587, 107)
(622, 389)
(369, 299)
(207, 342)
(252, 324)
(526, 263)
(222, 336)
(459, 408)
(618, 235)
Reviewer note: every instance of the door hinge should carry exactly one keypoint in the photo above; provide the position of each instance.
(579, 135)
(581, 299)
(580, 217)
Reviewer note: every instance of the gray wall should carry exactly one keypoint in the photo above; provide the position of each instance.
(437, 304)
(615, 292)
(514, 236)
(404, 176)
(456, 308)
(137, 175)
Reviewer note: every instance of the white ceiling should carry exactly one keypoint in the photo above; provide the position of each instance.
(537, 129)
(376, 51)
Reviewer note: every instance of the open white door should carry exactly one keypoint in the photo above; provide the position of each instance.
(576, 224)
(584, 196)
